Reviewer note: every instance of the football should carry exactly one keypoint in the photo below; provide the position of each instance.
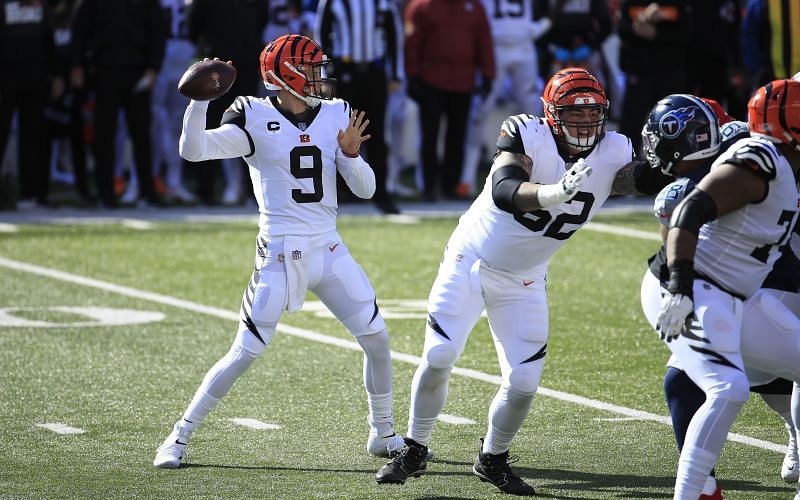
(207, 80)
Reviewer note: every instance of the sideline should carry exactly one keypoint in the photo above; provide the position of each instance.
(352, 345)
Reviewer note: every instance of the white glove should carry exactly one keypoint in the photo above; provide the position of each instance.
(565, 189)
(675, 310)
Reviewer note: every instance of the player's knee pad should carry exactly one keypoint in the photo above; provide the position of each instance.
(249, 342)
(736, 389)
(368, 320)
(441, 356)
(524, 378)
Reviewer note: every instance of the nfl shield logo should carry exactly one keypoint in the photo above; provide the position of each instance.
(302, 126)
(296, 254)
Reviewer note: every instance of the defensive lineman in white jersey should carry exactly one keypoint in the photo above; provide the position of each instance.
(294, 142)
(723, 240)
(539, 192)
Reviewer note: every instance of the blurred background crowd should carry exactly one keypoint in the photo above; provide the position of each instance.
(90, 114)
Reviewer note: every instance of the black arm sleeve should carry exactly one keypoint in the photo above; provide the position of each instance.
(649, 180)
(505, 184)
(694, 211)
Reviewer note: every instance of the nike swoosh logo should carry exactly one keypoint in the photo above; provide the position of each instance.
(527, 282)
(333, 247)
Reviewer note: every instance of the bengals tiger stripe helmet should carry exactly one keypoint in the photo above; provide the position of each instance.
(774, 112)
(296, 63)
(575, 87)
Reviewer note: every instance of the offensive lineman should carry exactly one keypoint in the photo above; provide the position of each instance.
(722, 242)
(294, 143)
(539, 192)
(688, 151)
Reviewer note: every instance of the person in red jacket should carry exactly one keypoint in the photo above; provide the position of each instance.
(447, 43)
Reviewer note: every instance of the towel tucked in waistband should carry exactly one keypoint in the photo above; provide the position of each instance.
(295, 252)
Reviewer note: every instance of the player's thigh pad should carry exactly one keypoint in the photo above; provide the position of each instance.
(771, 336)
(454, 305)
(263, 303)
(719, 316)
(345, 289)
(650, 295)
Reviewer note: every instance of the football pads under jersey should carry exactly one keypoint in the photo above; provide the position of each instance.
(738, 250)
(523, 243)
(292, 165)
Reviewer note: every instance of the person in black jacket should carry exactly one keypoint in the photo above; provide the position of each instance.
(27, 51)
(120, 43)
(231, 30)
(653, 53)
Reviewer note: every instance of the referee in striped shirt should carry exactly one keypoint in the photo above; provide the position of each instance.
(364, 39)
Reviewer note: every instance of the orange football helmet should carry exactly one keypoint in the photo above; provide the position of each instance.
(575, 87)
(296, 63)
(774, 112)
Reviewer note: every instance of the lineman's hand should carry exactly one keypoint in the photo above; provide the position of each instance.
(351, 138)
(575, 177)
(675, 311)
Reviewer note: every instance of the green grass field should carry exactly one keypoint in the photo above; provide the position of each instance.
(125, 385)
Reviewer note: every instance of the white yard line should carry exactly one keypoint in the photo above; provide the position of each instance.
(8, 228)
(142, 225)
(61, 428)
(455, 420)
(349, 344)
(622, 231)
(255, 424)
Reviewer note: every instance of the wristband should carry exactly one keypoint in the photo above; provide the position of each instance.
(355, 155)
(681, 277)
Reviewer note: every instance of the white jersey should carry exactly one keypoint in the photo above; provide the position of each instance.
(292, 165)
(523, 244)
(512, 22)
(737, 250)
(178, 50)
(293, 160)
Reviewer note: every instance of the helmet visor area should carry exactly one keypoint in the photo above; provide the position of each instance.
(318, 83)
(582, 125)
(649, 145)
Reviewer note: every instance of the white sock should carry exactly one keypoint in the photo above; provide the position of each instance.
(428, 396)
(694, 468)
(711, 486)
(380, 413)
(506, 414)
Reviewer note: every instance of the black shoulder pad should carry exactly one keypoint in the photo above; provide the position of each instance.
(510, 138)
(757, 157)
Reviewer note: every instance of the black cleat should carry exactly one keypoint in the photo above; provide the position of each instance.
(412, 460)
(495, 469)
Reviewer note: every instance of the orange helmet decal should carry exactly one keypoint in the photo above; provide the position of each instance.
(774, 112)
(574, 87)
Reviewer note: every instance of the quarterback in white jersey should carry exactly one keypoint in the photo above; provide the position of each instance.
(539, 192)
(294, 143)
(723, 240)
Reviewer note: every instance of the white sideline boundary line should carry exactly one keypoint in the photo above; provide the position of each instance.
(352, 345)
(255, 424)
(455, 419)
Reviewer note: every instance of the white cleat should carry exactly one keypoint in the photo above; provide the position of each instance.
(173, 450)
(790, 471)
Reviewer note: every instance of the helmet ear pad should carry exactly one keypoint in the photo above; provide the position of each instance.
(680, 127)
(574, 87)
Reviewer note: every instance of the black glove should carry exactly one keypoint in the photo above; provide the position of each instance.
(414, 88)
(485, 88)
